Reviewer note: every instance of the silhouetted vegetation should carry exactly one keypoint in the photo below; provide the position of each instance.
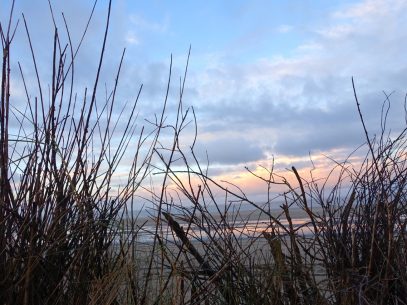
(69, 235)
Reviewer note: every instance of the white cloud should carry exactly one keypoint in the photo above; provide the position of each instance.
(337, 32)
(141, 22)
(131, 38)
(284, 28)
(369, 9)
(307, 98)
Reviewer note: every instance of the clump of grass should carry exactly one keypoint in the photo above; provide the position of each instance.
(350, 250)
(68, 235)
(60, 209)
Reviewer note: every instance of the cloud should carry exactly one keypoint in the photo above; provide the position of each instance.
(131, 38)
(141, 22)
(284, 28)
(304, 101)
(288, 104)
(370, 9)
(229, 151)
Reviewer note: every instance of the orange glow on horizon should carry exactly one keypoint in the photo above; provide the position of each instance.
(321, 170)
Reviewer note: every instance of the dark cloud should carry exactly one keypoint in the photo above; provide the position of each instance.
(229, 151)
(294, 105)
(299, 130)
(305, 102)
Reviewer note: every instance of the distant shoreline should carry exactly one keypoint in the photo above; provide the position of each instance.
(251, 213)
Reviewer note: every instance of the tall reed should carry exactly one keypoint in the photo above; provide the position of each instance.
(350, 250)
(70, 235)
(60, 208)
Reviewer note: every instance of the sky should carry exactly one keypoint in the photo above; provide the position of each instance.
(269, 80)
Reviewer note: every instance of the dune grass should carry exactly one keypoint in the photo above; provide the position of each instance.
(69, 235)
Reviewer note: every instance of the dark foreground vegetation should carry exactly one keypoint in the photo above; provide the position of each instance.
(69, 235)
